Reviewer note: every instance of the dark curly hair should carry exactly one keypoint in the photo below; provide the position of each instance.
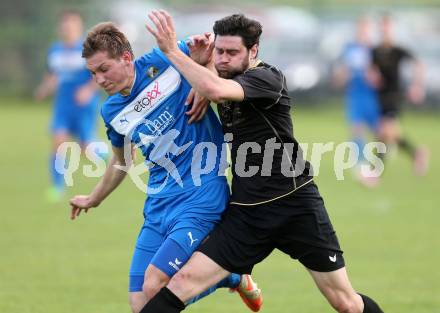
(239, 25)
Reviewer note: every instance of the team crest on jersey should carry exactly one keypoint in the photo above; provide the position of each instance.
(152, 71)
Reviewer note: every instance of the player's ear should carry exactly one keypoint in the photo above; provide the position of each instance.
(127, 57)
(253, 52)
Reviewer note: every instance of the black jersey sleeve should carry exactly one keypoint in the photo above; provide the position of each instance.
(404, 53)
(263, 86)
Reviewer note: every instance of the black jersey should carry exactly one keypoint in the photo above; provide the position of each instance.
(267, 161)
(388, 61)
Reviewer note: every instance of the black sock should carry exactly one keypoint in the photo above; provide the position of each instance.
(405, 145)
(164, 302)
(370, 306)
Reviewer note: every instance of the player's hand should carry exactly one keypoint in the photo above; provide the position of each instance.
(164, 31)
(84, 95)
(41, 93)
(373, 78)
(416, 94)
(201, 48)
(80, 203)
(199, 107)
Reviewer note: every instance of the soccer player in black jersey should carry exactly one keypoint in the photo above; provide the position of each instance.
(387, 60)
(275, 204)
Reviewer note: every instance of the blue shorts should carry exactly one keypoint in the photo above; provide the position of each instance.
(79, 122)
(363, 109)
(168, 241)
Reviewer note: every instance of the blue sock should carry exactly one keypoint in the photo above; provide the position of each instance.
(230, 281)
(57, 178)
(359, 141)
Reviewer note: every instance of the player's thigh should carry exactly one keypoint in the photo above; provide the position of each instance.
(241, 239)
(86, 125)
(180, 243)
(147, 244)
(372, 117)
(308, 234)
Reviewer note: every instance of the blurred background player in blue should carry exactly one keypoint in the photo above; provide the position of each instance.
(75, 94)
(355, 74)
(388, 59)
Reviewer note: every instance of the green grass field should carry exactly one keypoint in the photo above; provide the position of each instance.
(49, 264)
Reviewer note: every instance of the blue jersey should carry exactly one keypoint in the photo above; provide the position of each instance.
(69, 67)
(357, 58)
(362, 105)
(180, 157)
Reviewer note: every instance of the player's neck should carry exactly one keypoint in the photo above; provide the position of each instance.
(131, 79)
(387, 42)
(254, 63)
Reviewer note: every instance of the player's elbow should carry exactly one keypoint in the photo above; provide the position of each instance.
(215, 93)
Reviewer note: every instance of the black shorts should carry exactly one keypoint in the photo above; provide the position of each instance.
(390, 104)
(297, 224)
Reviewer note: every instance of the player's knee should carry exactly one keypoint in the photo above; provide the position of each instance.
(152, 286)
(137, 301)
(181, 280)
(343, 303)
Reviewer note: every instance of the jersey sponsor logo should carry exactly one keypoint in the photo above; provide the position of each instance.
(191, 239)
(147, 101)
(160, 123)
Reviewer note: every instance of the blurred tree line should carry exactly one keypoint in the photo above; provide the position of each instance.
(27, 28)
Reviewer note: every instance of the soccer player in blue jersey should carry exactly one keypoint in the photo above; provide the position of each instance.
(187, 189)
(76, 98)
(356, 75)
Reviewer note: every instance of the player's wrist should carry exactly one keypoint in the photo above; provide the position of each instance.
(173, 53)
(94, 201)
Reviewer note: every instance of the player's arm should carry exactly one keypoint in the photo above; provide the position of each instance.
(113, 176)
(416, 91)
(340, 76)
(204, 81)
(46, 87)
(85, 93)
(374, 75)
(201, 52)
